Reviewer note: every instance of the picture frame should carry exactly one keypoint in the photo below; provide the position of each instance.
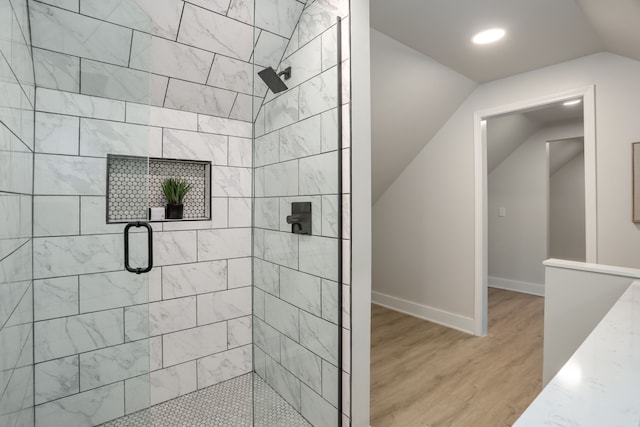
(635, 153)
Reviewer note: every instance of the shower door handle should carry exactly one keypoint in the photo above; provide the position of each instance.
(149, 266)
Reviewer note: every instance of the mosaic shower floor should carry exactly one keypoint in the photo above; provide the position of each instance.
(228, 404)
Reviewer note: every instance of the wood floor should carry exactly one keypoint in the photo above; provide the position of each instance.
(423, 374)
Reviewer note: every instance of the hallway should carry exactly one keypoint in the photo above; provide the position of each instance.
(423, 374)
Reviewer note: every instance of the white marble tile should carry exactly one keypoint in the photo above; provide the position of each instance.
(284, 382)
(77, 334)
(319, 256)
(267, 213)
(305, 63)
(282, 316)
(161, 117)
(258, 303)
(16, 218)
(266, 338)
(330, 215)
(65, 175)
(108, 365)
(56, 134)
(194, 343)
(330, 385)
(65, 256)
(243, 107)
(219, 212)
(239, 272)
(101, 137)
(199, 98)
(16, 348)
(240, 212)
(277, 16)
(115, 82)
(336, 7)
(192, 279)
(56, 215)
(315, 20)
(267, 149)
(159, 17)
(104, 291)
(241, 10)
(281, 248)
(160, 318)
(16, 172)
(293, 44)
(330, 309)
(224, 366)
(218, 6)
(319, 174)
(72, 5)
(284, 110)
(15, 266)
(85, 409)
(169, 247)
(269, 49)
(260, 362)
(78, 35)
(168, 58)
(330, 132)
(230, 182)
(240, 152)
(239, 332)
(224, 243)
(57, 378)
(223, 126)
(216, 33)
(11, 295)
(317, 410)
(19, 392)
(93, 217)
(319, 94)
(301, 139)
(259, 123)
(55, 101)
(302, 363)
(160, 386)
(178, 144)
(56, 70)
(300, 289)
(224, 305)
(329, 48)
(266, 276)
(258, 243)
(281, 179)
(231, 74)
(15, 106)
(319, 336)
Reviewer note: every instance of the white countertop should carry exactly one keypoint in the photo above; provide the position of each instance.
(600, 385)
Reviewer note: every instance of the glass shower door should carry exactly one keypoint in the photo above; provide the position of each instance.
(298, 240)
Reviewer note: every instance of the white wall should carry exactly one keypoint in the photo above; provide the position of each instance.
(404, 85)
(424, 223)
(517, 242)
(566, 211)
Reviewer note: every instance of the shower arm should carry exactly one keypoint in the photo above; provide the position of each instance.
(286, 73)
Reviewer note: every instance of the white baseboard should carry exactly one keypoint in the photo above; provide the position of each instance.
(435, 315)
(517, 286)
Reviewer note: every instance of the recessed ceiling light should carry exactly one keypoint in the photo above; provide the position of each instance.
(488, 36)
(572, 102)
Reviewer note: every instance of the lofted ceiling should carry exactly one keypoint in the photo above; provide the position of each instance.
(408, 110)
(539, 32)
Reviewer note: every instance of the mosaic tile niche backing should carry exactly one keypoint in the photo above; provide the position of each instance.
(134, 184)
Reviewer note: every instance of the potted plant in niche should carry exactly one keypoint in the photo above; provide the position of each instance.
(175, 191)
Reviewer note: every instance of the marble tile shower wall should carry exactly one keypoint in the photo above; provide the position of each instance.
(16, 158)
(108, 343)
(296, 308)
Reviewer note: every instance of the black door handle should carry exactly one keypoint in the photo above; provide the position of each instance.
(149, 243)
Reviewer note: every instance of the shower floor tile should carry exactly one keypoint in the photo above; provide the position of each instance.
(227, 404)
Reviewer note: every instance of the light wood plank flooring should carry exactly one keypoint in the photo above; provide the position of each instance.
(423, 374)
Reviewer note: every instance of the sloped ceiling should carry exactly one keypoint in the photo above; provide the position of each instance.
(539, 33)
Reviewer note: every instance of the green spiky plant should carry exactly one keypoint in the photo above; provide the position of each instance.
(175, 190)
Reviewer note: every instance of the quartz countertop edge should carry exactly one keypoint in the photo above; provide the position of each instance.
(600, 384)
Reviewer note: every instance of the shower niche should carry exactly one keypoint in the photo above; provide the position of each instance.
(134, 186)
